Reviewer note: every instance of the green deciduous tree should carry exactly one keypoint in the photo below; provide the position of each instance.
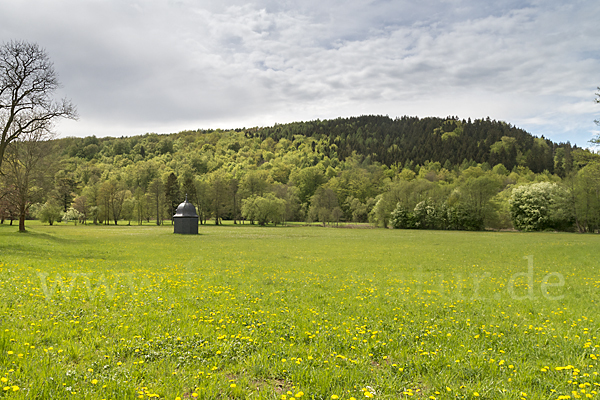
(129, 207)
(65, 186)
(117, 200)
(234, 186)
(307, 180)
(324, 206)
(157, 198)
(219, 194)
(105, 191)
(429, 215)
(407, 193)
(357, 210)
(140, 205)
(201, 199)
(254, 183)
(473, 196)
(587, 198)
(91, 194)
(49, 212)
(263, 209)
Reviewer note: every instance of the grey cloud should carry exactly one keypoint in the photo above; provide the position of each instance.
(177, 64)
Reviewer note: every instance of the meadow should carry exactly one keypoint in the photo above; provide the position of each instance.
(122, 312)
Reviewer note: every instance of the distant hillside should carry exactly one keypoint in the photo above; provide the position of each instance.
(406, 142)
(449, 141)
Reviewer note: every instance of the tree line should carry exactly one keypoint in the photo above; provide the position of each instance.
(241, 175)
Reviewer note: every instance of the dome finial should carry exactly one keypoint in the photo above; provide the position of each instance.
(186, 209)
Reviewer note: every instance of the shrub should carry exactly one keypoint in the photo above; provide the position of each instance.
(540, 206)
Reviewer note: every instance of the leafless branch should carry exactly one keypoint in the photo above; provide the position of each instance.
(27, 84)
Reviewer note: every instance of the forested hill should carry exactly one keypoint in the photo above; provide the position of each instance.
(405, 142)
(449, 141)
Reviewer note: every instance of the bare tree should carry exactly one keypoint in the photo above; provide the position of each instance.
(27, 83)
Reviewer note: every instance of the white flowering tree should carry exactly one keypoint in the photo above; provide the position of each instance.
(540, 206)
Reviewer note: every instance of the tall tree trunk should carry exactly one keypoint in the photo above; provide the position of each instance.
(157, 215)
(22, 218)
(234, 210)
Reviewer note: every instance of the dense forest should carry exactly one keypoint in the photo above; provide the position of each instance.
(435, 173)
(409, 140)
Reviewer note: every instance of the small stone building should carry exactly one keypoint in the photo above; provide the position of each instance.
(186, 219)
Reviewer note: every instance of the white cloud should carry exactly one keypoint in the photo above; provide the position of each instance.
(133, 67)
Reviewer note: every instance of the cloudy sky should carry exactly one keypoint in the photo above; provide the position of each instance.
(133, 67)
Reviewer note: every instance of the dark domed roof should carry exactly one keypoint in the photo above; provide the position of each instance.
(186, 209)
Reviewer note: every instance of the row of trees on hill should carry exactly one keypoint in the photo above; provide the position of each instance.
(404, 142)
(410, 140)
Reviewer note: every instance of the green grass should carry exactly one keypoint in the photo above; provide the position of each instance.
(105, 312)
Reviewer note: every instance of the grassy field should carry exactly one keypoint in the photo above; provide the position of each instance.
(105, 312)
